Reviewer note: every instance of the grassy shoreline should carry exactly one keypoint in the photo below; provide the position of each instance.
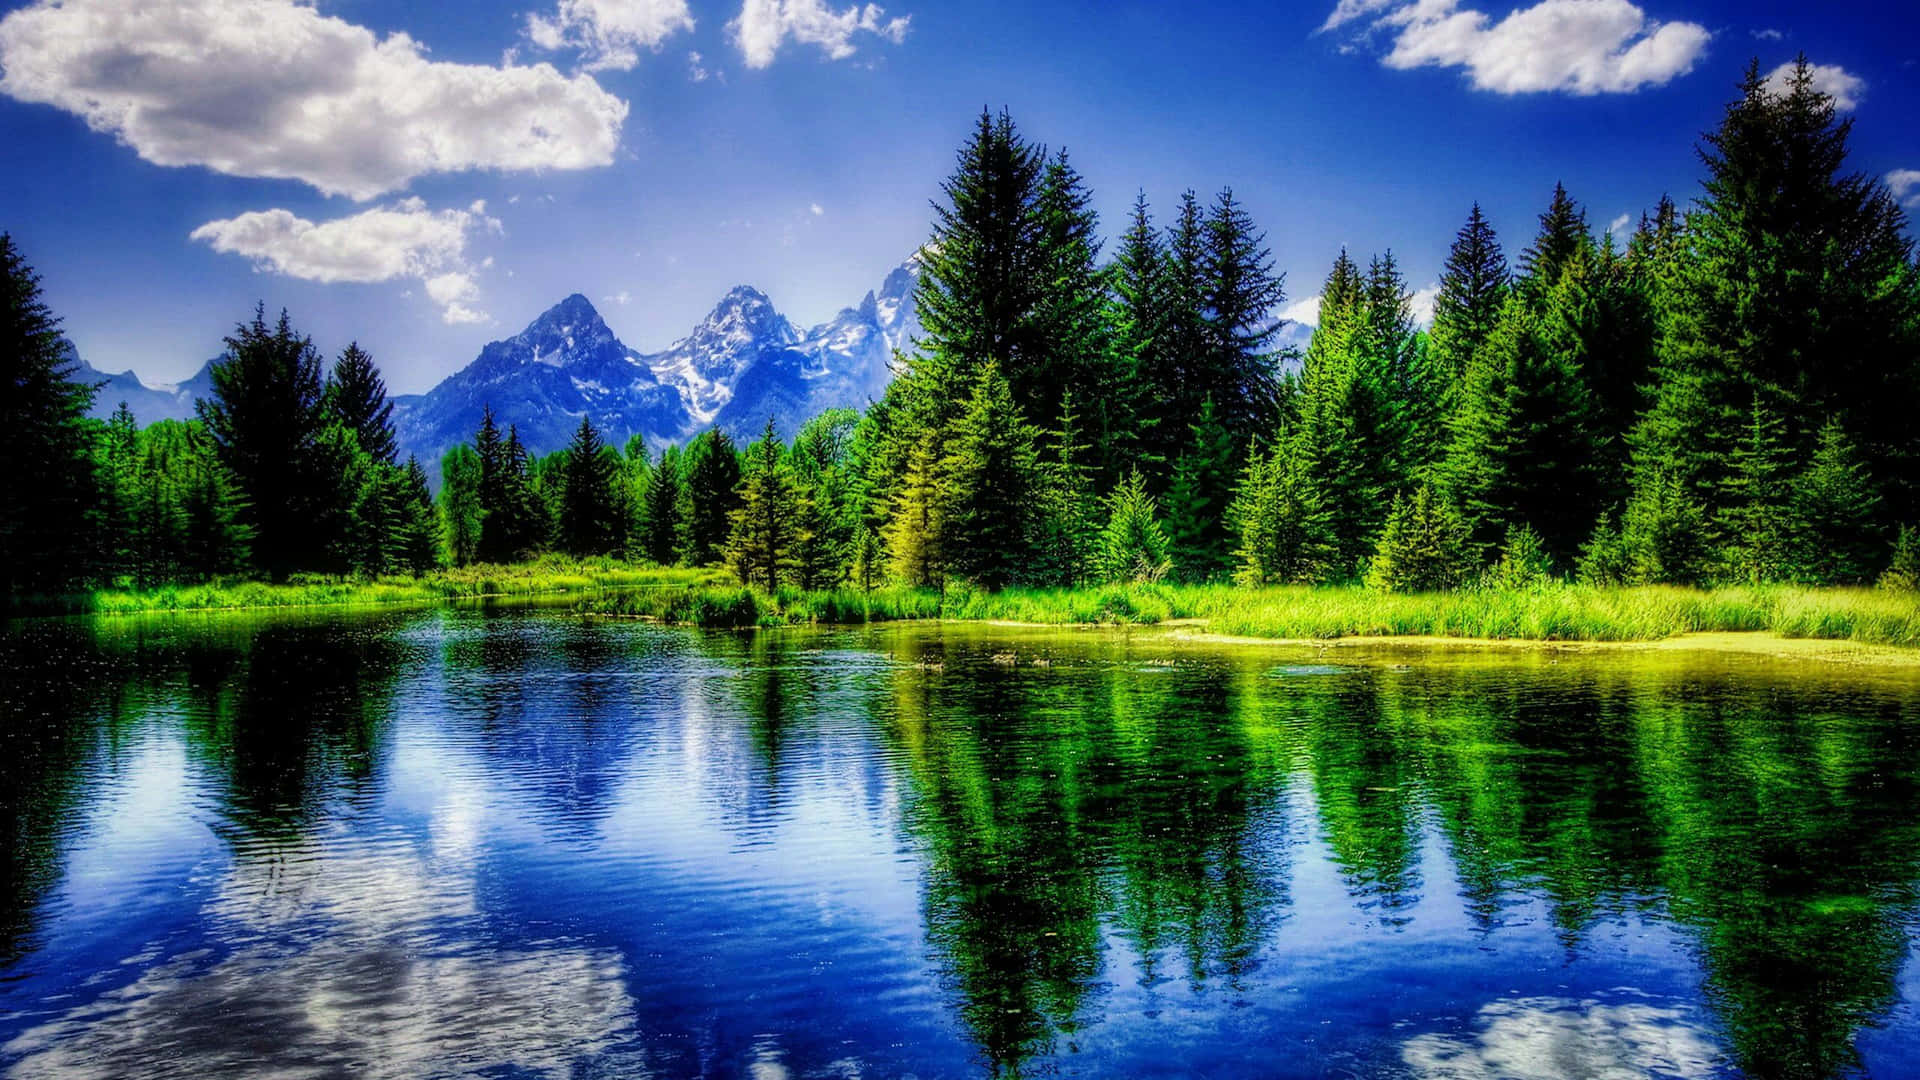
(706, 597)
(1556, 613)
(543, 577)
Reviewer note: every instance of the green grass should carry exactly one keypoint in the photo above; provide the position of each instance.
(1550, 613)
(541, 577)
(710, 598)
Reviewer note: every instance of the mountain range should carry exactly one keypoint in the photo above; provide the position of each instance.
(743, 364)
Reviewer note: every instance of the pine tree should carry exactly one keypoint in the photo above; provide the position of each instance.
(44, 442)
(462, 513)
(265, 418)
(419, 545)
(1149, 378)
(1563, 231)
(356, 396)
(496, 539)
(1522, 450)
(217, 541)
(1835, 506)
(1280, 524)
(1473, 288)
(1064, 545)
(1133, 546)
(591, 519)
(1758, 522)
(1199, 538)
(660, 525)
(1072, 340)
(1903, 572)
(915, 533)
(1241, 292)
(1797, 283)
(709, 495)
(825, 470)
(760, 548)
(1663, 535)
(1425, 547)
(527, 523)
(991, 472)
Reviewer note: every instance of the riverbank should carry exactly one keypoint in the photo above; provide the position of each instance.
(543, 577)
(1550, 614)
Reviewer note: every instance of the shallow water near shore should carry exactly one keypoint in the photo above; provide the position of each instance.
(512, 842)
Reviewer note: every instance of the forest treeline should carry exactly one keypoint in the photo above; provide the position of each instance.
(1726, 397)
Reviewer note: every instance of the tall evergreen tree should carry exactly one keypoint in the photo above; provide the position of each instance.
(1148, 378)
(660, 525)
(1563, 231)
(1240, 373)
(1797, 284)
(1835, 513)
(1473, 287)
(462, 512)
(766, 524)
(1133, 546)
(1757, 525)
(44, 441)
(1281, 527)
(915, 533)
(1198, 534)
(265, 418)
(356, 396)
(991, 474)
(419, 546)
(592, 521)
(1523, 450)
(709, 495)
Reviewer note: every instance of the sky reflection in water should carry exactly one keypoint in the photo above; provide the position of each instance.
(514, 843)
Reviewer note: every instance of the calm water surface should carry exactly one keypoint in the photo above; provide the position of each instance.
(507, 844)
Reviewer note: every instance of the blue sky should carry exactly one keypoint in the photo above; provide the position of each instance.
(426, 177)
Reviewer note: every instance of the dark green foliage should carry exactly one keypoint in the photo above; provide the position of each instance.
(462, 520)
(593, 510)
(1282, 528)
(826, 470)
(419, 540)
(1065, 520)
(1199, 538)
(1662, 539)
(660, 525)
(1524, 562)
(1239, 291)
(44, 443)
(1425, 547)
(991, 477)
(709, 495)
(1563, 231)
(266, 419)
(766, 525)
(1523, 449)
(1133, 546)
(1903, 573)
(1473, 289)
(356, 396)
(1795, 281)
(1835, 506)
(915, 533)
(1758, 522)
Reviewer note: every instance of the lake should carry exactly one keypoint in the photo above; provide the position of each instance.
(510, 842)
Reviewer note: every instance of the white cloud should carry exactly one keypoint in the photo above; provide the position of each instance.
(1619, 225)
(1571, 46)
(272, 88)
(763, 25)
(1768, 34)
(405, 240)
(697, 68)
(816, 209)
(1845, 88)
(609, 33)
(1421, 303)
(622, 298)
(1905, 184)
(1305, 312)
